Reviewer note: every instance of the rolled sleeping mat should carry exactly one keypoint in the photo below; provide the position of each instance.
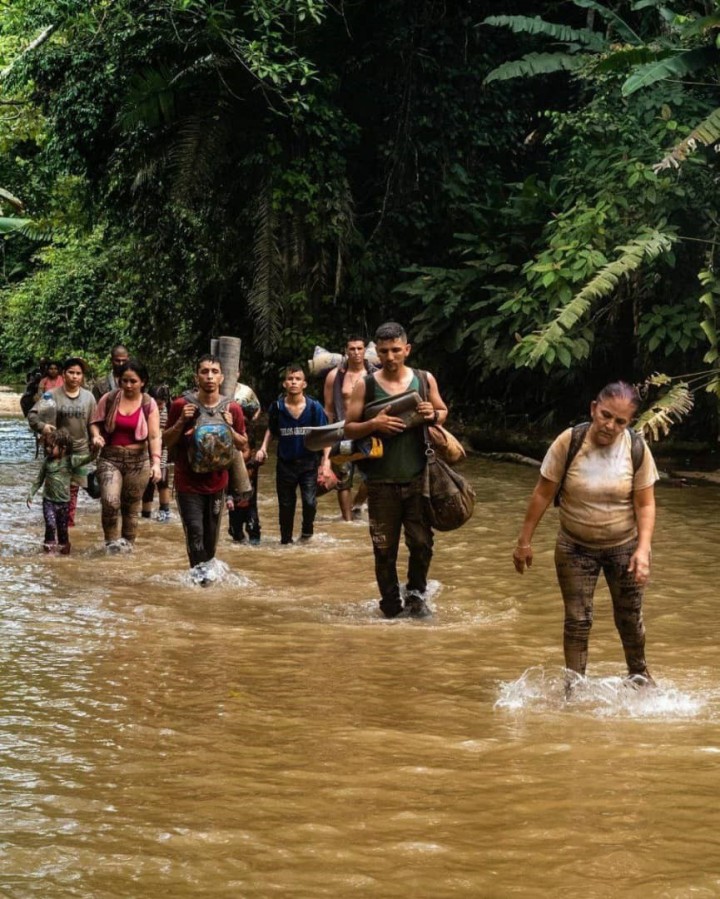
(371, 355)
(317, 439)
(323, 360)
(214, 346)
(229, 356)
(404, 406)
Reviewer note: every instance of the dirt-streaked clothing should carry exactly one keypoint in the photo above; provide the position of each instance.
(596, 507)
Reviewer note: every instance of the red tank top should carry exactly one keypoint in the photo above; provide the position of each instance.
(125, 425)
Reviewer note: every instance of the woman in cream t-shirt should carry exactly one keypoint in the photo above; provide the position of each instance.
(607, 517)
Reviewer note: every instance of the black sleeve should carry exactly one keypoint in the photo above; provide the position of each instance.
(274, 420)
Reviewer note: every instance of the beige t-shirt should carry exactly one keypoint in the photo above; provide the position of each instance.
(596, 506)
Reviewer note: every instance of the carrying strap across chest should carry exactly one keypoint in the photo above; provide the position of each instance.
(577, 438)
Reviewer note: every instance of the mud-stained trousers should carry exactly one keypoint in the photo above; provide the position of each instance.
(578, 568)
(393, 508)
(123, 474)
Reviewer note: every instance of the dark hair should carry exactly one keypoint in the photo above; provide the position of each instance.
(291, 368)
(390, 331)
(208, 357)
(354, 338)
(59, 438)
(118, 346)
(161, 393)
(137, 367)
(54, 362)
(619, 390)
(74, 360)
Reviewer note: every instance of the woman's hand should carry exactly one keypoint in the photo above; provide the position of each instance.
(522, 556)
(98, 442)
(639, 566)
(260, 456)
(155, 472)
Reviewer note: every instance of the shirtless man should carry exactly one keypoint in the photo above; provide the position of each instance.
(339, 386)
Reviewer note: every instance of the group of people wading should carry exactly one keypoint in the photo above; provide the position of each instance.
(600, 474)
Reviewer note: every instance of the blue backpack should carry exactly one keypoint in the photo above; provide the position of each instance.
(210, 445)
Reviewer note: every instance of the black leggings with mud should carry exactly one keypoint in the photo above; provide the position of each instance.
(578, 568)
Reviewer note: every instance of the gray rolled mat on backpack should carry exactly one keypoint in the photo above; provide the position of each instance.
(229, 356)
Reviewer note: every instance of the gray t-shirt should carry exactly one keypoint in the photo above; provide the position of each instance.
(73, 413)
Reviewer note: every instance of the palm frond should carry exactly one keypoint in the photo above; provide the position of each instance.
(264, 298)
(535, 64)
(676, 66)
(537, 346)
(701, 25)
(706, 133)
(150, 100)
(627, 57)
(536, 25)
(663, 412)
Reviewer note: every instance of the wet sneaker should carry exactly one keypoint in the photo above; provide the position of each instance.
(163, 516)
(254, 541)
(391, 609)
(356, 513)
(640, 681)
(305, 538)
(51, 548)
(415, 607)
(118, 546)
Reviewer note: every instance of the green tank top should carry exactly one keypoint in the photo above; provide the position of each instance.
(404, 455)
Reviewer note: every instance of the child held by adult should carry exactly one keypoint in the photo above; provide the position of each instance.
(55, 477)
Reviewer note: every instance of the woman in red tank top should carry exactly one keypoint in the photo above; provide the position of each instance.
(126, 429)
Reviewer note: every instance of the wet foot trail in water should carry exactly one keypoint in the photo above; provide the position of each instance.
(272, 735)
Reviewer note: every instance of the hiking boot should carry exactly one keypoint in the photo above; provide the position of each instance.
(415, 607)
(391, 608)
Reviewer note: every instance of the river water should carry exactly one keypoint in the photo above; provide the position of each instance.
(273, 736)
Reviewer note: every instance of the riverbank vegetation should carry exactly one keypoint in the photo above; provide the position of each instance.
(530, 187)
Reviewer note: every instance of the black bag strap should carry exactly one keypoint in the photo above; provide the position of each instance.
(577, 438)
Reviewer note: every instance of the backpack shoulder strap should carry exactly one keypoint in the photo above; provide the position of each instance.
(576, 441)
(637, 449)
(422, 377)
(369, 389)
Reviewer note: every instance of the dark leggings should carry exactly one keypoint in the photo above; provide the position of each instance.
(578, 568)
(57, 519)
(200, 514)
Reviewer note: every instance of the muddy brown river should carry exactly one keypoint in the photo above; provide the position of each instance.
(273, 736)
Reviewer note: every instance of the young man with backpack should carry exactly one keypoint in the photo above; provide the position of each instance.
(288, 421)
(395, 481)
(205, 428)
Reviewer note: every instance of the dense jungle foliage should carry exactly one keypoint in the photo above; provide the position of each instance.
(529, 187)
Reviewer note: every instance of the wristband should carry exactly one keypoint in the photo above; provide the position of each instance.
(436, 417)
(156, 456)
(524, 545)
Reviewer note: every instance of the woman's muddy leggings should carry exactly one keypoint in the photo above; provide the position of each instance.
(578, 568)
(123, 475)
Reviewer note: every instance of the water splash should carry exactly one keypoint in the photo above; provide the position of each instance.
(543, 690)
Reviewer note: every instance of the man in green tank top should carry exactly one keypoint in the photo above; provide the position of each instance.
(395, 501)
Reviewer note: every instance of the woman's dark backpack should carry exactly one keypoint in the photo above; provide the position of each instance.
(579, 432)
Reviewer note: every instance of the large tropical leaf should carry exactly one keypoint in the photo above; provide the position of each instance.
(536, 25)
(536, 64)
(9, 225)
(676, 66)
(620, 25)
